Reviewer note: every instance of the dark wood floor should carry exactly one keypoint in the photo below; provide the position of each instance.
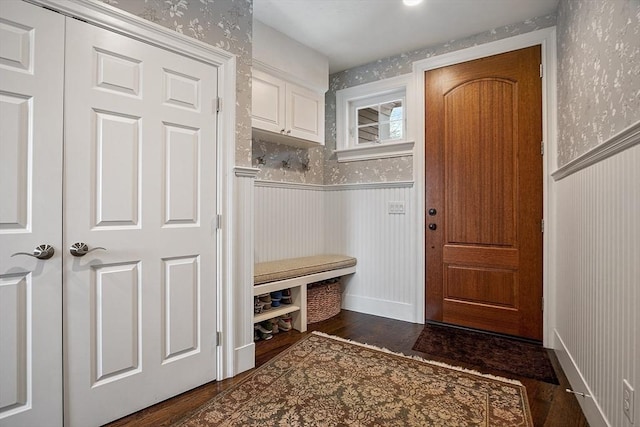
(551, 405)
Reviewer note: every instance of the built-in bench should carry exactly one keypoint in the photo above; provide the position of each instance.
(296, 274)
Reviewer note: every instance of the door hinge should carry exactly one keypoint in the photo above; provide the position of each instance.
(219, 222)
(542, 306)
(218, 104)
(218, 338)
(542, 226)
(542, 148)
(541, 71)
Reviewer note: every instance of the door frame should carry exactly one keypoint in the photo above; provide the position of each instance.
(121, 22)
(547, 39)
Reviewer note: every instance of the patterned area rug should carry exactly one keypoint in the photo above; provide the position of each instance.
(328, 381)
(484, 351)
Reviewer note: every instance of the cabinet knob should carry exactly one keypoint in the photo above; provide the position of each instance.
(281, 130)
(289, 131)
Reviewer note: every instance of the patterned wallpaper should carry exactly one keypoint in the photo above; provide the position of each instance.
(225, 24)
(598, 72)
(279, 162)
(399, 168)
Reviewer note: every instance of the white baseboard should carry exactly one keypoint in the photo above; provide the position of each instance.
(379, 307)
(245, 358)
(589, 405)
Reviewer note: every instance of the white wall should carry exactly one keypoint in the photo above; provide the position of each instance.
(301, 220)
(597, 265)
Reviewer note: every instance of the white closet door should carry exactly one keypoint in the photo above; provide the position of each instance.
(140, 181)
(31, 78)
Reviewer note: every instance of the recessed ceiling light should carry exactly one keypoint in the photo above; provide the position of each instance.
(411, 2)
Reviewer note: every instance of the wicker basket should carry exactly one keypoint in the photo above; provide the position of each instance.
(324, 300)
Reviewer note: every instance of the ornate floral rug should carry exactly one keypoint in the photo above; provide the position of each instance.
(486, 351)
(327, 381)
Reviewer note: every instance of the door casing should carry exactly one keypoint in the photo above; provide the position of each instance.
(547, 39)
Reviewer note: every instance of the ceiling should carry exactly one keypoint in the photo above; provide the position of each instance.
(356, 32)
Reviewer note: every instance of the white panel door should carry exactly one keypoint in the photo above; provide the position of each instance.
(140, 181)
(31, 78)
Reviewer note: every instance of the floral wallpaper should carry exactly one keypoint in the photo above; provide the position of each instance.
(226, 24)
(399, 168)
(598, 72)
(279, 162)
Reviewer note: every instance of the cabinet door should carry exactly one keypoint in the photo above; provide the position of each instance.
(268, 102)
(305, 113)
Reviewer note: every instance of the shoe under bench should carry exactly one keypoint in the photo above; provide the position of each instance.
(296, 274)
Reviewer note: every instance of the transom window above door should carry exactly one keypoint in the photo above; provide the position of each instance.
(371, 120)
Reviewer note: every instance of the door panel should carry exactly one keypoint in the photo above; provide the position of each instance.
(305, 113)
(31, 76)
(484, 179)
(140, 181)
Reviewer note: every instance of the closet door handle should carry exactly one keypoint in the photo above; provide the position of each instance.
(40, 252)
(81, 249)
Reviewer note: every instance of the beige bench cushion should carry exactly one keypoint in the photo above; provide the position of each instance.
(273, 271)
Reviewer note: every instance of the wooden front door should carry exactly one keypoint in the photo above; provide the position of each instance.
(483, 133)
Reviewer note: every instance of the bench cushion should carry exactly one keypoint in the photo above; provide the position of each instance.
(273, 271)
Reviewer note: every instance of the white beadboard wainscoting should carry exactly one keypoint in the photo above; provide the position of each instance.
(300, 220)
(289, 220)
(597, 276)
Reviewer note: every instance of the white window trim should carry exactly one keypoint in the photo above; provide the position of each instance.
(345, 150)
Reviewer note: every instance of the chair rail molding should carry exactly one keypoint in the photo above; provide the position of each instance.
(619, 142)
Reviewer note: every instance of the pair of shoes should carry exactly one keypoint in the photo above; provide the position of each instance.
(286, 296)
(262, 332)
(265, 299)
(284, 322)
(257, 305)
(275, 298)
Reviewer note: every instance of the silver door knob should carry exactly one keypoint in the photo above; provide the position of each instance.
(40, 252)
(81, 249)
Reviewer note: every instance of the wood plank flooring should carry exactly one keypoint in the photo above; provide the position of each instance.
(551, 405)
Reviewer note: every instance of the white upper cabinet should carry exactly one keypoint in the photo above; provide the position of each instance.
(288, 86)
(267, 102)
(287, 109)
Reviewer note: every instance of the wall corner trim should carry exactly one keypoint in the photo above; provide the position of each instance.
(619, 142)
(245, 172)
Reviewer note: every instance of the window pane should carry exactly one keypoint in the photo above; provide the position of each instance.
(389, 109)
(367, 134)
(395, 129)
(367, 115)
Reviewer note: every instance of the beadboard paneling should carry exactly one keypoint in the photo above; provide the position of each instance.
(598, 282)
(289, 222)
(296, 221)
(359, 225)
